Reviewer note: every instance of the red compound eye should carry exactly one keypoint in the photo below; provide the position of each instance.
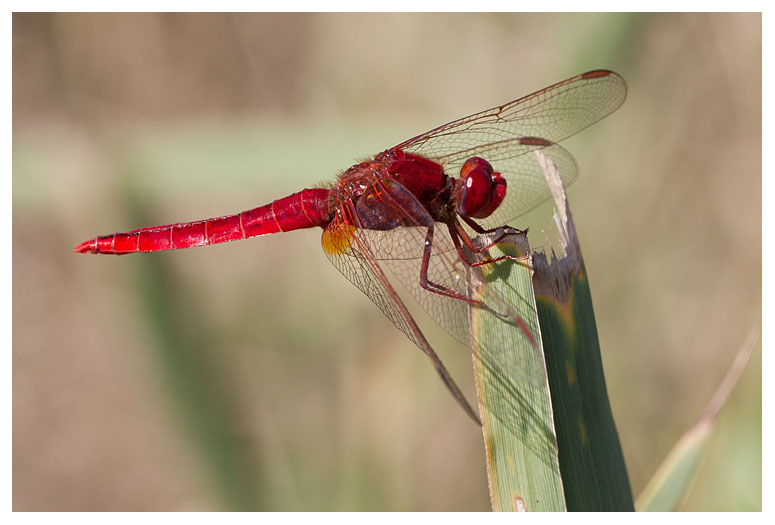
(472, 163)
(474, 195)
(481, 191)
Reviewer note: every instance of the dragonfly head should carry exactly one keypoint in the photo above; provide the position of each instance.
(480, 190)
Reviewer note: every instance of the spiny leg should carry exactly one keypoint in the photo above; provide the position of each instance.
(508, 230)
(453, 232)
(458, 232)
(433, 287)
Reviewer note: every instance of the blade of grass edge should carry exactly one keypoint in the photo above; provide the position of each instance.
(591, 461)
(675, 475)
(515, 410)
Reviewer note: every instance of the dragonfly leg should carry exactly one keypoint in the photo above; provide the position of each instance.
(507, 230)
(433, 287)
(458, 232)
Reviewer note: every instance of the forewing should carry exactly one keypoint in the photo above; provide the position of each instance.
(348, 256)
(553, 113)
(353, 256)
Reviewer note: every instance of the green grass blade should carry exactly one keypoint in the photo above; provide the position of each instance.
(551, 440)
(673, 478)
(515, 408)
(591, 460)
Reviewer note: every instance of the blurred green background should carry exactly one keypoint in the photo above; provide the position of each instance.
(251, 375)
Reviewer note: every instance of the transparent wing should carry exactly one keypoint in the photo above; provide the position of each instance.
(553, 113)
(353, 256)
(356, 263)
(400, 251)
(505, 134)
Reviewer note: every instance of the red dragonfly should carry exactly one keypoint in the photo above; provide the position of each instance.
(425, 212)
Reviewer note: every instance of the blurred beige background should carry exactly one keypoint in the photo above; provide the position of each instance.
(251, 375)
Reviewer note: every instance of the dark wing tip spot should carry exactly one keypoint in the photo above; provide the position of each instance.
(597, 73)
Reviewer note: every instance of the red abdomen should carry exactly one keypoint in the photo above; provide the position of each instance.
(306, 209)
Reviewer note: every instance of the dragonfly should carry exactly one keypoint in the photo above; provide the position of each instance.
(424, 213)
